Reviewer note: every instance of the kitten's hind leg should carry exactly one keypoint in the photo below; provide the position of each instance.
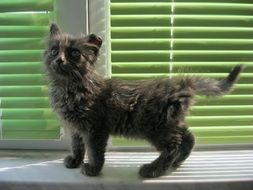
(76, 158)
(168, 143)
(186, 147)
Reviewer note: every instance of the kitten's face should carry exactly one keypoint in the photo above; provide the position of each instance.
(66, 56)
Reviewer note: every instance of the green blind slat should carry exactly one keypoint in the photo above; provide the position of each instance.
(21, 79)
(137, 56)
(226, 100)
(214, 8)
(12, 129)
(222, 131)
(182, 20)
(21, 43)
(18, 68)
(219, 120)
(182, 44)
(210, 67)
(181, 55)
(17, 55)
(27, 125)
(23, 31)
(147, 8)
(243, 89)
(182, 32)
(119, 141)
(213, 32)
(24, 102)
(213, 55)
(137, 20)
(223, 134)
(233, 55)
(29, 19)
(213, 20)
(37, 113)
(181, 8)
(31, 135)
(141, 44)
(25, 5)
(23, 91)
(246, 139)
(221, 110)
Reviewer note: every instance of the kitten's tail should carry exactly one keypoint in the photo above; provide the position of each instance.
(210, 87)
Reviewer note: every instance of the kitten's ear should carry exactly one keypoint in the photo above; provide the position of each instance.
(94, 39)
(54, 30)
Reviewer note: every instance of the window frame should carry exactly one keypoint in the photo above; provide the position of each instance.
(68, 24)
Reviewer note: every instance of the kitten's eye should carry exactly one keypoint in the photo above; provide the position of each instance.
(54, 52)
(75, 53)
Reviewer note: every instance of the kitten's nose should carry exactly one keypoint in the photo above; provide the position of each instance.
(94, 39)
(60, 60)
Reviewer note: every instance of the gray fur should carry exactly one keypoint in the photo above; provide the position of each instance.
(93, 107)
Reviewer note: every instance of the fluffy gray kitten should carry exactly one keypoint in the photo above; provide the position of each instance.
(93, 107)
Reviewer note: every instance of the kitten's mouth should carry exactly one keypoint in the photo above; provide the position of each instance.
(60, 69)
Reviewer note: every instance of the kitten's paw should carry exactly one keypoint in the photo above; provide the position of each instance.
(89, 170)
(150, 171)
(71, 162)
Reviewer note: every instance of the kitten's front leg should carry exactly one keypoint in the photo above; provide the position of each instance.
(96, 154)
(76, 158)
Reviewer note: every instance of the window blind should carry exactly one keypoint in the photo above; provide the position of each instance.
(24, 107)
(157, 38)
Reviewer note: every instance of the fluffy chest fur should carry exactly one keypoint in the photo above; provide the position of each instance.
(73, 103)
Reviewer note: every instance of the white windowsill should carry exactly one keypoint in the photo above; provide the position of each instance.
(203, 170)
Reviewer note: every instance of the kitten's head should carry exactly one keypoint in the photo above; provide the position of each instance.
(66, 56)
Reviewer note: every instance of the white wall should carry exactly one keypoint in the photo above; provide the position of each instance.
(99, 24)
(72, 16)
